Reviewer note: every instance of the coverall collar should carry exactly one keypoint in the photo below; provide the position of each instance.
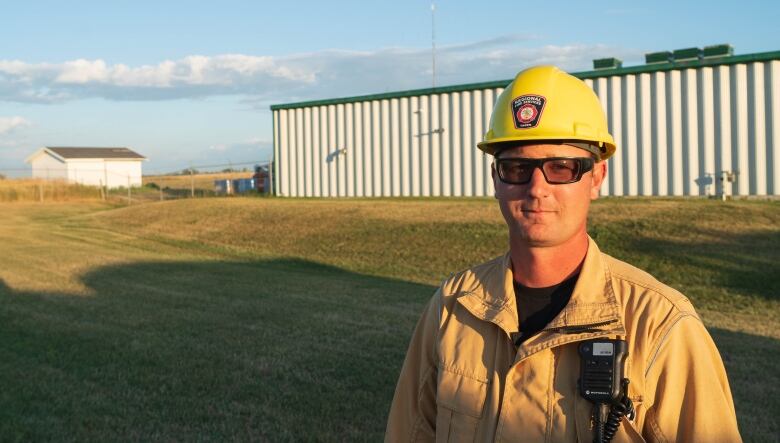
(592, 307)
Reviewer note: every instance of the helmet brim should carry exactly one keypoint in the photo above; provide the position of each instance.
(602, 150)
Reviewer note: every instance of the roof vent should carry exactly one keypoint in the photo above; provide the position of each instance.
(687, 54)
(724, 50)
(658, 57)
(607, 63)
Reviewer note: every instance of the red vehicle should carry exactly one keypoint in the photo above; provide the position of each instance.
(261, 176)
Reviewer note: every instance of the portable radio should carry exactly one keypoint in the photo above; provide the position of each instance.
(602, 382)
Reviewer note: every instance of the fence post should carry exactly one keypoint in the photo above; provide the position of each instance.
(161, 193)
(102, 191)
(192, 182)
(40, 191)
(129, 196)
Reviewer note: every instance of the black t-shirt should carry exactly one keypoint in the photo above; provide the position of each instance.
(538, 306)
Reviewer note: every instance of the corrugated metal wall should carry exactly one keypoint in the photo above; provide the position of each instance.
(676, 132)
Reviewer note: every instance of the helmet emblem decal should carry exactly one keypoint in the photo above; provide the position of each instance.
(527, 110)
(526, 113)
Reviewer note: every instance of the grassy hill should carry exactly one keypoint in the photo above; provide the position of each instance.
(272, 319)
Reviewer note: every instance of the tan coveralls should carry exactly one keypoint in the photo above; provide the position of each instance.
(464, 380)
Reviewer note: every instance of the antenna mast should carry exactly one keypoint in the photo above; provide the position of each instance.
(433, 43)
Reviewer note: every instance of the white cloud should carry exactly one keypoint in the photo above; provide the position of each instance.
(265, 79)
(8, 124)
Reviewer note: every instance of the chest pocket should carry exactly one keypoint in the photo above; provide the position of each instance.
(460, 400)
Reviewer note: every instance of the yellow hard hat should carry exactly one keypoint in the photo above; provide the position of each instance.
(544, 103)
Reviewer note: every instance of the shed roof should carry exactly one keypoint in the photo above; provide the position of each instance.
(77, 152)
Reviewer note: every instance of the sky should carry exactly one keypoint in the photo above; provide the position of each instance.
(191, 83)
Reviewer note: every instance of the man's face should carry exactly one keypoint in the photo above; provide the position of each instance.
(541, 214)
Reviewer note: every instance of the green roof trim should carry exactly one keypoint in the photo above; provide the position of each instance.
(399, 94)
(691, 64)
(640, 69)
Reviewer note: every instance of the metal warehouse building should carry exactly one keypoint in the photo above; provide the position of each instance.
(686, 123)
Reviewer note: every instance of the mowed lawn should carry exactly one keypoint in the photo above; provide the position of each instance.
(285, 320)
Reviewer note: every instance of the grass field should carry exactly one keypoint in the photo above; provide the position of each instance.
(16, 190)
(287, 320)
(202, 182)
(165, 187)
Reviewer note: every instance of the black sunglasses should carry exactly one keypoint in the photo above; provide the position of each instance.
(556, 170)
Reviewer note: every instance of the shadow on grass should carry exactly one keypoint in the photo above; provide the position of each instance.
(271, 350)
(282, 350)
(751, 364)
(746, 264)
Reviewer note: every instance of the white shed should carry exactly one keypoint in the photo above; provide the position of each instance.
(111, 167)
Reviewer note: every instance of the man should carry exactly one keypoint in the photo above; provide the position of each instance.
(495, 356)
